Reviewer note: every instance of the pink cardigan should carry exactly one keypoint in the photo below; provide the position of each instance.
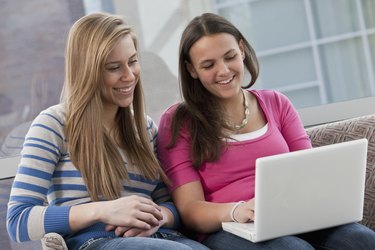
(232, 177)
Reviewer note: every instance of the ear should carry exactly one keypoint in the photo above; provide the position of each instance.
(191, 70)
(242, 49)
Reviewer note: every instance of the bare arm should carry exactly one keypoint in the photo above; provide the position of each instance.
(203, 216)
(196, 213)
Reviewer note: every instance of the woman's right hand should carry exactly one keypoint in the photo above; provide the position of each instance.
(244, 212)
(168, 218)
(130, 211)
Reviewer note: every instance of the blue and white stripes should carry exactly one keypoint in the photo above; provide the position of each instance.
(47, 184)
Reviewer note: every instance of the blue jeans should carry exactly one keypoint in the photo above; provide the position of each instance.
(158, 241)
(352, 236)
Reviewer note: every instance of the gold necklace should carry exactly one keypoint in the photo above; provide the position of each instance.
(246, 113)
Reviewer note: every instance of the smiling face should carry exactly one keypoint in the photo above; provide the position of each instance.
(217, 60)
(121, 74)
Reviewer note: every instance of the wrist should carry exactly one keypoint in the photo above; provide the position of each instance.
(98, 211)
(172, 215)
(233, 210)
(84, 215)
(167, 217)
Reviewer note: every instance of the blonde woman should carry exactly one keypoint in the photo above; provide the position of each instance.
(92, 156)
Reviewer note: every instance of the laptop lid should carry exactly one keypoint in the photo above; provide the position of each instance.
(306, 190)
(310, 189)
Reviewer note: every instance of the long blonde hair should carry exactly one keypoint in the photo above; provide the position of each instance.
(92, 150)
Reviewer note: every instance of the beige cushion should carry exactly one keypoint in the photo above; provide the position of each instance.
(347, 130)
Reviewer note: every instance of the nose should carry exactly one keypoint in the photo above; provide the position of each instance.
(222, 68)
(127, 74)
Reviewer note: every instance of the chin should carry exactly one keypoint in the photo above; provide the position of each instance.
(126, 103)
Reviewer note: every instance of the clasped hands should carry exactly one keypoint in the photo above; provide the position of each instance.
(134, 216)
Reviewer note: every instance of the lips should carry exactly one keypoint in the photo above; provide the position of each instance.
(225, 82)
(124, 90)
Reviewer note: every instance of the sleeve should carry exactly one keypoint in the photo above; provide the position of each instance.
(28, 216)
(291, 125)
(176, 161)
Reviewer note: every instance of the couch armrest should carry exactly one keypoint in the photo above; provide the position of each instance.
(347, 130)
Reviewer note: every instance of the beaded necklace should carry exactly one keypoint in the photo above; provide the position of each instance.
(246, 113)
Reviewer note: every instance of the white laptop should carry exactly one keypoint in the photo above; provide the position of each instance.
(306, 190)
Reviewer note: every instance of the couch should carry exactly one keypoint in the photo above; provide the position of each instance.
(347, 130)
(335, 132)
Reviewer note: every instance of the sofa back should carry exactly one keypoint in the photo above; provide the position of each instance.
(347, 130)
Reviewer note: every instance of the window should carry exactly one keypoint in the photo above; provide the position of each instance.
(317, 52)
(33, 37)
(320, 53)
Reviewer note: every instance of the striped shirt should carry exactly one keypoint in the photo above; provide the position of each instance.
(47, 184)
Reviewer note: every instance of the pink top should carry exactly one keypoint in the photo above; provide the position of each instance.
(232, 177)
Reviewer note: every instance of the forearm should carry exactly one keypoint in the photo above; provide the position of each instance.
(206, 217)
(84, 215)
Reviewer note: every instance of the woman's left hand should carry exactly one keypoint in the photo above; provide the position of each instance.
(132, 232)
(138, 232)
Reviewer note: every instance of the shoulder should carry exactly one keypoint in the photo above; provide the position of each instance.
(271, 97)
(168, 114)
(52, 118)
(171, 110)
(48, 126)
(56, 112)
(268, 94)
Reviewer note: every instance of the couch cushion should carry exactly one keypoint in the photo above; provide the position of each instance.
(347, 130)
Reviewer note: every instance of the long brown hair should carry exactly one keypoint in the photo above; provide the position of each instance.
(92, 150)
(201, 111)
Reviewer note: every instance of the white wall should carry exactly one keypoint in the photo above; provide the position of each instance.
(159, 23)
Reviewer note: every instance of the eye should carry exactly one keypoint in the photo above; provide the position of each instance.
(207, 66)
(132, 61)
(113, 68)
(231, 57)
